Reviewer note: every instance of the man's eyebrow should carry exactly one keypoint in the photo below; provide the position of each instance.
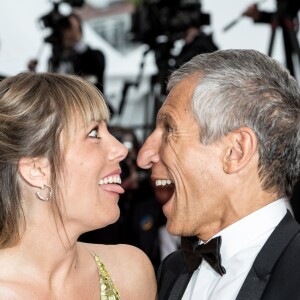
(164, 118)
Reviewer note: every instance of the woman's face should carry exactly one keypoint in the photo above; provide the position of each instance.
(91, 173)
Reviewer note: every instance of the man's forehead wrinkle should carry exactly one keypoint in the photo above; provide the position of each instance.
(174, 97)
(168, 107)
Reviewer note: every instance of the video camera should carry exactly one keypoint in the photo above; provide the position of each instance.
(56, 21)
(169, 18)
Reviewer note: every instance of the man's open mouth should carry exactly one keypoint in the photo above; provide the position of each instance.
(164, 190)
(163, 182)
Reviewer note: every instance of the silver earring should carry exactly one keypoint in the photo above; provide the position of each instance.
(49, 193)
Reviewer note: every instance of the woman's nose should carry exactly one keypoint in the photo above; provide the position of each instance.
(118, 151)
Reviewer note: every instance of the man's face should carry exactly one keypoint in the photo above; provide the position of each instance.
(72, 35)
(189, 170)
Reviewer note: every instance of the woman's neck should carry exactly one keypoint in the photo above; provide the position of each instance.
(46, 247)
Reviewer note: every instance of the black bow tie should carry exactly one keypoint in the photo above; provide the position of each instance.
(194, 253)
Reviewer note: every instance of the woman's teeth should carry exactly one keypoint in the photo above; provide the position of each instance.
(162, 182)
(110, 179)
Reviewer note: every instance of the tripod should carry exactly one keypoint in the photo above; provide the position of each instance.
(291, 45)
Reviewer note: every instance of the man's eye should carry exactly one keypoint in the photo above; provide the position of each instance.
(168, 128)
(94, 133)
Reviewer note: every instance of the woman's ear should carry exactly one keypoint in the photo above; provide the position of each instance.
(35, 171)
(241, 146)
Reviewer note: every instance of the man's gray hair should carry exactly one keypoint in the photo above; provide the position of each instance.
(239, 88)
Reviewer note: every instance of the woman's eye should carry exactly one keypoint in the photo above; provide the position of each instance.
(94, 133)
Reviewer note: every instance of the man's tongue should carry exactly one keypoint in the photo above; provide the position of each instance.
(164, 193)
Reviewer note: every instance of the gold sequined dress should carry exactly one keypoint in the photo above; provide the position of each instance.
(108, 289)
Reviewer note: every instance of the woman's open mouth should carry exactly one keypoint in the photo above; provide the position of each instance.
(112, 184)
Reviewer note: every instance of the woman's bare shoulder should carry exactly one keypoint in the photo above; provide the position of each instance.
(130, 268)
(111, 251)
(121, 255)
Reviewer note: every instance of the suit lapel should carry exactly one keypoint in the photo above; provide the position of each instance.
(259, 274)
(180, 286)
(173, 277)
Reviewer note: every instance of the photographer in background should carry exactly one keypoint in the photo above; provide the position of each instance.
(286, 16)
(161, 24)
(195, 42)
(70, 54)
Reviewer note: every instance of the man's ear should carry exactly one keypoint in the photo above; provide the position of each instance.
(240, 148)
(35, 171)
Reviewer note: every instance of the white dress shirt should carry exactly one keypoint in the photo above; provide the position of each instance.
(167, 243)
(241, 243)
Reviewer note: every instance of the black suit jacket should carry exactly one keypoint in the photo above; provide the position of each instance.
(274, 275)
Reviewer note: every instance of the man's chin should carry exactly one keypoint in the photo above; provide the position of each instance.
(172, 228)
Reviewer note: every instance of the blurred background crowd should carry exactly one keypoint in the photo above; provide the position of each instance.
(128, 49)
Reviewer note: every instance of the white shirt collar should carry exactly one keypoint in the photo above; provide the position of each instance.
(245, 232)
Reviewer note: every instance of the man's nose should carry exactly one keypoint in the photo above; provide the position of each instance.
(149, 153)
